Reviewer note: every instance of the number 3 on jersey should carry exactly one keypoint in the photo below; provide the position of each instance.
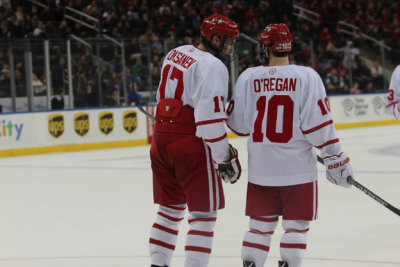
(391, 95)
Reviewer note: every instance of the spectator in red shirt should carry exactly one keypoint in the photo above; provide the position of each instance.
(251, 15)
(325, 35)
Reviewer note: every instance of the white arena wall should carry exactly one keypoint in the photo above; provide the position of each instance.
(81, 129)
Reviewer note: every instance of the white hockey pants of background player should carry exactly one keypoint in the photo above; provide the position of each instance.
(164, 234)
(256, 242)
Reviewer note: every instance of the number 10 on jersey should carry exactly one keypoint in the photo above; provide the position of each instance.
(286, 105)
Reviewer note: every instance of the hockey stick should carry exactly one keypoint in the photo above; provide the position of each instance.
(140, 106)
(367, 192)
(372, 195)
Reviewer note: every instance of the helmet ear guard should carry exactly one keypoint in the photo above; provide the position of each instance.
(261, 52)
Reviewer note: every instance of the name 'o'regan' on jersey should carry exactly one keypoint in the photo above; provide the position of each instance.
(199, 80)
(285, 112)
(393, 96)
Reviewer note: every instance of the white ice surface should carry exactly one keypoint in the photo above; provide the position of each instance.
(95, 209)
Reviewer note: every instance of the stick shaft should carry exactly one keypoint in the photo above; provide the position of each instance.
(137, 102)
(367, 191)
(372, 195)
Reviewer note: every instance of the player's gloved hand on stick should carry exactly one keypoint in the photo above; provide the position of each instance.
(338, 168)
(230, 170)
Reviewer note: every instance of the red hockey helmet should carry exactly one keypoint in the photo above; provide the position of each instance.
(274, 38)
(219, 25)
(277, 37)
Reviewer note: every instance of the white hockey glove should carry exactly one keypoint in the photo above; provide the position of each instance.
(230, 170)
(338, 169)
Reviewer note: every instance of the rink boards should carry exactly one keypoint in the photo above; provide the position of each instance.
(83, 129)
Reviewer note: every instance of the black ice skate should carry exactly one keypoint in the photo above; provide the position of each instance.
(158, 266)
(283, 264)
(248, 264)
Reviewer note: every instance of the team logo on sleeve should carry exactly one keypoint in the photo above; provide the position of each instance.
(81, 123)
(129, 120)
(106, 122)
(56, 125)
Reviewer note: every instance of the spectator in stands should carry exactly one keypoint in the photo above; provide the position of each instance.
(59, 73)
(38, 87)
(51, 30)
(133, 49)
(355, 89)
(20, 83)
(138, 66)
(39, 28)
(131, 99)
(84, 87)
(157, 45)
(342, 72)
(350, 52)
(57, 102)
(3, 29)
(63, 29)
(46, 15)
(377, 76)
(333, 83)
(27, 30)
(326, 36)
(147, 37)
(361, 74)
(118, 31)
(5, 83)
(114, 82)
(324, 65)
(109, 14)
(78, 31)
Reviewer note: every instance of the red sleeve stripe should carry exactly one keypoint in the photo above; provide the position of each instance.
(210, 121)
(198, 249)
(161, 244)
(212, 219)
(165, 229)
(237, 133)
(216, 139)
(201, 233)
(254, 245)
(394, 108)
(334, 156)
(263, 219)
(299, 246)
(391, 104)
(328, 143)
(169, 217)
(318, 127)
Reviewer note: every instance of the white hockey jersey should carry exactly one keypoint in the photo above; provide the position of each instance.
(285, 112)
(393, 97)
(199, 80)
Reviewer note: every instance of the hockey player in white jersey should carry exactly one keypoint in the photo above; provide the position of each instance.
(284, 111)
(393, 96)
(190, 153)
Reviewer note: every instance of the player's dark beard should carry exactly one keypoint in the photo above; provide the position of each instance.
(223, 54)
